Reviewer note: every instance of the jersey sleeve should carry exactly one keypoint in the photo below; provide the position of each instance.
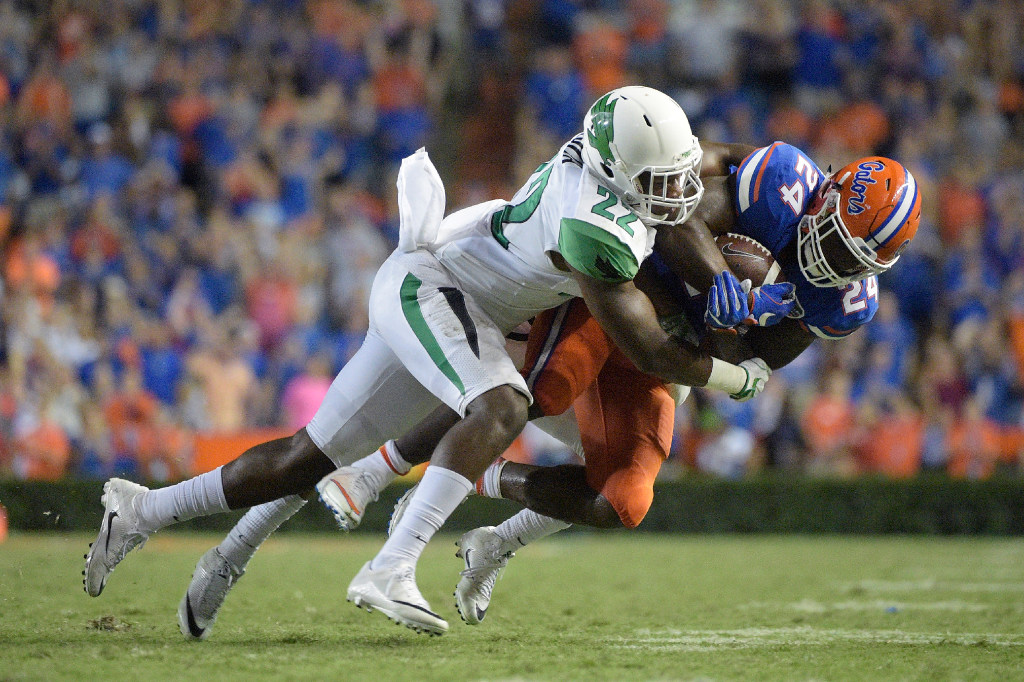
(595, 252)
(774, 185)
(601, 237)
(837, 313)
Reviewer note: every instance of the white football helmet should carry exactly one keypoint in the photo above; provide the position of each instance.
(638, 142)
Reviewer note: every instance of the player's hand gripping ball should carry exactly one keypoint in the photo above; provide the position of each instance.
(757, 295)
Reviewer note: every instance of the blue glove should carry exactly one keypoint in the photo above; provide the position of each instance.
(728, 303)
(769, 303)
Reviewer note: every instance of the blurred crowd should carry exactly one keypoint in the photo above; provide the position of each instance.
(195, 196)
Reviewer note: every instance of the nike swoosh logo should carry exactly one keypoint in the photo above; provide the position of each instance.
(417, 607)
(466, 557)
(727, 250)
(193, 626)
(110, 521)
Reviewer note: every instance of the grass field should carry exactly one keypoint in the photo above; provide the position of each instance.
(580, 607)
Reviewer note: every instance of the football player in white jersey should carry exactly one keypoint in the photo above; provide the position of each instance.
(439, 313)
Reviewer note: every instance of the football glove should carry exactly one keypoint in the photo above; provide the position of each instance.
(769, 303)
(728, 303)
(758, 372)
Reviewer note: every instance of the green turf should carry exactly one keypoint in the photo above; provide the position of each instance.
(581, 607)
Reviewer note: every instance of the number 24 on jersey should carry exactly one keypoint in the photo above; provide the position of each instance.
(856, 295)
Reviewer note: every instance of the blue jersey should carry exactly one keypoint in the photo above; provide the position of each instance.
(774, 186)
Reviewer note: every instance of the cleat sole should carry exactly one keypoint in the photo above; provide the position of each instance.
(397, 620)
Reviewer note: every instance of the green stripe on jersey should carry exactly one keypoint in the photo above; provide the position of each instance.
(596, 252)
(413, 314)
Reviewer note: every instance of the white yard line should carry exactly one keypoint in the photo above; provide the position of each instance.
(812, 606)
(931, 584)
(757, 638)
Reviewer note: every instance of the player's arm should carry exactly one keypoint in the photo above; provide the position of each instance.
(689, 249)
(665, 303)
(629, 319)
(718, 156)
(780, 344)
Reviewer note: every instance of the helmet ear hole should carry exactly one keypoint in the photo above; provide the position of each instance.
(607, 170)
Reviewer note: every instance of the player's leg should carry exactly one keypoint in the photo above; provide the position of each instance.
(222, 566)
(626, 424)
(454, 349)
(347, 491)
(284, 466)
(358, 412)
(565, 351)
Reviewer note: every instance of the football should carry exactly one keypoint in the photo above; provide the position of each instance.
(749, 259)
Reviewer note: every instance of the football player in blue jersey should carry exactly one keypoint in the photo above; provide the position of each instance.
(832, 235)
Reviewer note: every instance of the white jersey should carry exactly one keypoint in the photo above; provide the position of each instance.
(501, 259)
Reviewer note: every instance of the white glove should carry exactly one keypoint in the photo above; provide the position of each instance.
(757, 376)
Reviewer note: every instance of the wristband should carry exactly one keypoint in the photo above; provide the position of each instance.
(727, 377)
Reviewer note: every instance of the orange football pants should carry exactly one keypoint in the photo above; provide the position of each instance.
(625, 417)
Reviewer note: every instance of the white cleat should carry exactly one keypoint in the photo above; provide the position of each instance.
(119, 533)
(346, 493)
(481, 550)
(212, 580)
(400, 506)
(393, 592)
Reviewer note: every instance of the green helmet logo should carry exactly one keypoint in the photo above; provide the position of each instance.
(601, 131)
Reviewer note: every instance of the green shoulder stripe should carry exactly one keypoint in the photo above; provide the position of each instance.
(595, 252)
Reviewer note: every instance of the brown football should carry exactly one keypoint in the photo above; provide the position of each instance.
(749, 259)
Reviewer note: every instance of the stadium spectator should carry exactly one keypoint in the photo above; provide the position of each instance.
(304, 393)
(973, 444)
(226, 380)
(41, 452)
(827, 426)
(891, 437)
(555, 94)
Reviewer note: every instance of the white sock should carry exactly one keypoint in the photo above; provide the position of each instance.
(383, 466)
(438, 494)
(199, 496)
(525, 527)
(255, 527)
(489, 484)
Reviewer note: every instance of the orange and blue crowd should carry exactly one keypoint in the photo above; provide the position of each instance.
(194, 198)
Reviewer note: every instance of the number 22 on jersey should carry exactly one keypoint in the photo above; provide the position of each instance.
(601, 209)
